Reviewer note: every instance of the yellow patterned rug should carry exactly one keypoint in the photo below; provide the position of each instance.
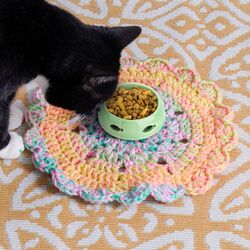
(210, 36)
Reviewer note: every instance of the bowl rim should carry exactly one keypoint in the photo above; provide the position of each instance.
(159, 100)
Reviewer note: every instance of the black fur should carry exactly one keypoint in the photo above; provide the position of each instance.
(80, 61)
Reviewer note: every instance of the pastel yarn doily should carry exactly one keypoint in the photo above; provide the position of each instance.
(180, 160)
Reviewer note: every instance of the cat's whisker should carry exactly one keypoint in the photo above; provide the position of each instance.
(83, 116)
(75, 119)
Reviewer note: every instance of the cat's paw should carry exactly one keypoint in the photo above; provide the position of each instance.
(16, 118)
(30, 87)
(14, 149)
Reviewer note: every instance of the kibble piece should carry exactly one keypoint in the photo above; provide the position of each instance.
(121, 104)
(134, 115)
(136, 106)
(111, 110)
(144, 112)
(124, 113)
(128, 117)
(130, 103)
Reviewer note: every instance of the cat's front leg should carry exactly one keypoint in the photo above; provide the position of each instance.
(11, 144)
(16, 117)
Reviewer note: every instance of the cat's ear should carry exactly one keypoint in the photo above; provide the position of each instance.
(125, 35)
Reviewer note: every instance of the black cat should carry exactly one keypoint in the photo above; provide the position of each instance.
(81, 61)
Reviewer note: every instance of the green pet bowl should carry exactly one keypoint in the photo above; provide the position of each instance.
(133, 129)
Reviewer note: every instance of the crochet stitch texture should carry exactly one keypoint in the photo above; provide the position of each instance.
(180, 160)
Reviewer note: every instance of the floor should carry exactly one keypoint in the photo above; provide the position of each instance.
(211, 36)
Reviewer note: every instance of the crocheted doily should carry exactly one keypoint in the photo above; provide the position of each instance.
(181, 159)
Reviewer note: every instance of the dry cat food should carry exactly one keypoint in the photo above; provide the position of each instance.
(132, 104)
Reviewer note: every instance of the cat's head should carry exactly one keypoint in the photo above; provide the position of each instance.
(89, 73)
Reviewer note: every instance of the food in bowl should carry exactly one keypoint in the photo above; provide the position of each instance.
(132, 104)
